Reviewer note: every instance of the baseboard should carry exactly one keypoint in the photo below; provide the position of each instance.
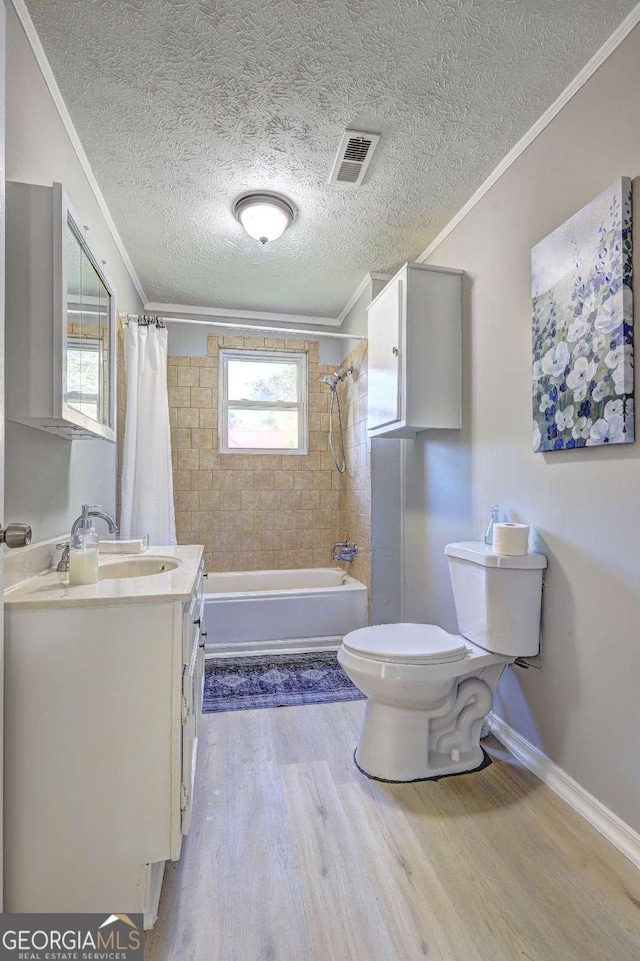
(600, 817)
(292, 645)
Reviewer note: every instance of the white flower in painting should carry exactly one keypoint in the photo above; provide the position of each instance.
(581, 349)
(564, 418)
(619, 361)
(556, 359)
(580, 377)
(582, 428)
(577, 330)
(600, 391)
(614, 357)
(608, 317)
(545, 403)
(623, 377)
(628, 416)
(537, 371)
(609, 431)
(613, 408)
(599, 341)
(537, 439)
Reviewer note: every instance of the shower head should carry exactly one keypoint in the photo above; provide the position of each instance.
(334, 379)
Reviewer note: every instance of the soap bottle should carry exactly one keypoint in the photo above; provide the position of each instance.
(488, 534)
(83, 552)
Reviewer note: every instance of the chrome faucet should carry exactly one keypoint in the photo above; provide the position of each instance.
(344, 551)
(88, 511)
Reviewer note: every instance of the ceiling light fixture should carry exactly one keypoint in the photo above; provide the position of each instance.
(265, 217)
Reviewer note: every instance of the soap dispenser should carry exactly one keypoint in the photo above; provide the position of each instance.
(493, 520)
(83, 552)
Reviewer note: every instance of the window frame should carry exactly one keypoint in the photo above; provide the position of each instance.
(299, 358)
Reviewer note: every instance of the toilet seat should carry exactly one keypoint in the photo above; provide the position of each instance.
(406, 644)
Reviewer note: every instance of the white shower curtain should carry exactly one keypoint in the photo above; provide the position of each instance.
(147, 479)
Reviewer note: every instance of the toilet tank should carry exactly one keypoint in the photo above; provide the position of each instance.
(498, 598)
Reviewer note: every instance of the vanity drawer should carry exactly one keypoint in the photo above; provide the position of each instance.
(193, 618)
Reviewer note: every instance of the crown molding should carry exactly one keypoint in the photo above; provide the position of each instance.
(45, 68)
(605, 51)
(261, 316)
(358, 292)
(613, 828)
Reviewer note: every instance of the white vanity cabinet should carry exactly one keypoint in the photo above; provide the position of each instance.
(414, 332)
(101, 732)
(60, 319)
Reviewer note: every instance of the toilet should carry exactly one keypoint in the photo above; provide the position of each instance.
(428, 691)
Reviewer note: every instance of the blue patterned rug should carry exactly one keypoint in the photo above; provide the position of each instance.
(275, 680)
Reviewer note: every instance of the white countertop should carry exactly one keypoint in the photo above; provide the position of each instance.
(47, 591)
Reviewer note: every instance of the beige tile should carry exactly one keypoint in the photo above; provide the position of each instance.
(271, 540)
(180, 439)
(177, 360)
(309, 499)
(202, 521)
(186, 501)
(283, 480)
(254, 343)
(233, 520)
(221, 562)
(202, 438)
(252, 500)
(265, 520)
(188, 416)
(208, 501)
(303, 480)
(187, 459)
(212, 345)
(209, 460)
(241, 541)
(329, 499)
(208, 417)
(273, 343)
(188, 377)
(232, 340)
(231, 501)
(172, 376)
(201, 397)
(270, 500)
(263, 480)
(205, 361)
(208, 377)
(180, 396)
(183, 522)
(173, 417)
(182, 480)
(322, 480)
(201, 480)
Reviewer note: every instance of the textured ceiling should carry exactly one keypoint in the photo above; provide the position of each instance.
(181, 105)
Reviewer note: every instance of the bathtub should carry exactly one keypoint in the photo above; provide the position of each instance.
(256, 612)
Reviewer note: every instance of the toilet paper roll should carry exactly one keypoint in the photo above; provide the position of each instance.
(512, 539)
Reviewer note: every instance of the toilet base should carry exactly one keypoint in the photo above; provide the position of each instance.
(413, 744)
(486, 761)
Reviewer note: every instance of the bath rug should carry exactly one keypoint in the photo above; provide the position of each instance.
(275, 680)
(486, 761)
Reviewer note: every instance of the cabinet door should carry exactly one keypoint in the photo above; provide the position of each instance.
(385, 348)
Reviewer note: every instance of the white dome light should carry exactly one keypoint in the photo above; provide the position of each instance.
(265, 217)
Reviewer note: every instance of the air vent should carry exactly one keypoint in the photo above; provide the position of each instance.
(354, 156)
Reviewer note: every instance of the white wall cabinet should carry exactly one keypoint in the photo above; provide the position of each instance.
(101, 733)
(414, 331)
(60, 319)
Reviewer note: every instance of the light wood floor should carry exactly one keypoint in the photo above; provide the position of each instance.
(295, 856)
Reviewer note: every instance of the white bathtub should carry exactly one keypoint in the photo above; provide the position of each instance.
(270, 611)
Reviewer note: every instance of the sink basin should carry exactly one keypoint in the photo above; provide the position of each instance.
(137, 567)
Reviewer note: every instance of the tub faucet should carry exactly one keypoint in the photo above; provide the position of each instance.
(344, 551)
(94, 512)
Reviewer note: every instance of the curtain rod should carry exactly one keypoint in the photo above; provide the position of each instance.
(308, 334)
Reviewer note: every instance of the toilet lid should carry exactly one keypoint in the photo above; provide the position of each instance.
(406, 644)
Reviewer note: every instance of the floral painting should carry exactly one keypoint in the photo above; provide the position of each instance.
(583, 327)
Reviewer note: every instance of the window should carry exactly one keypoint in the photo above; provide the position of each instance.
(263, 399)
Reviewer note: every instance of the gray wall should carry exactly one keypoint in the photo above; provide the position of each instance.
(47, 478)
(583, 708)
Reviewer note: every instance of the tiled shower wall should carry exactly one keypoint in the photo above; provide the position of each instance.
(251, 511)
(354, 511)
(265, 511)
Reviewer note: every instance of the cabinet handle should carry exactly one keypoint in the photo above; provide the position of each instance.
(395, 351)
(203, 636)
(197, 621)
